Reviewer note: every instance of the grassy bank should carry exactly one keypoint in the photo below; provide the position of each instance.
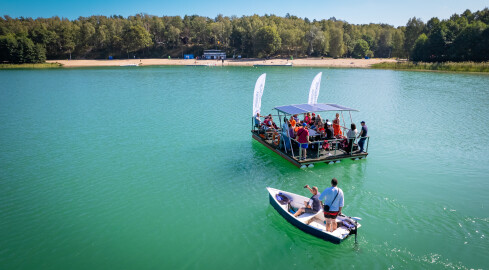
(29, 66)
(446, 66)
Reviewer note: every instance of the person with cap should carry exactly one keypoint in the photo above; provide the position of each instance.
(313, 205)
(303, 139)
(333, 202)
(362, 136)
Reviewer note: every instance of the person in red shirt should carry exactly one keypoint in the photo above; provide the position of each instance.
(321, 129)
(303, 139)
(307, 118)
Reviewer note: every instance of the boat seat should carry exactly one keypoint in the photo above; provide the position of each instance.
(306, 216)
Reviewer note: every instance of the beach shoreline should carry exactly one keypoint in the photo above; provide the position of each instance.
(307, 62)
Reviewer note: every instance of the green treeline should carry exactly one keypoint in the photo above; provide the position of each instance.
(26, 40)
(438, 66)
(463, 37)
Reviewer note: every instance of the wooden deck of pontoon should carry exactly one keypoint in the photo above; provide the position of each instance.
(312, 157)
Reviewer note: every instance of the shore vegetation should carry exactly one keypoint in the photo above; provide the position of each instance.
(438, 66)
(30, 65)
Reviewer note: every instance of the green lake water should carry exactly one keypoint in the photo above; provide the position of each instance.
(155, 168)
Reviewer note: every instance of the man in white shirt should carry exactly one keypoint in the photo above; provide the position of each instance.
(332, 197)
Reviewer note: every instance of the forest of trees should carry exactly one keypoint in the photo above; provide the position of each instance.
(463, 37)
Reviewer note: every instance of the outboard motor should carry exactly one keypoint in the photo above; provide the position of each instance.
(355, 230)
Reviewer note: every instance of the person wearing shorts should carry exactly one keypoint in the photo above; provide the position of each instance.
(331, 214)
(333, 197)
(303, 139)
(313, 205)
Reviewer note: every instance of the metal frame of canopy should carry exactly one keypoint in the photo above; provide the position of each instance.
(309, 108)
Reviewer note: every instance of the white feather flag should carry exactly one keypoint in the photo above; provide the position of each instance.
(314, 91)
(259, 86)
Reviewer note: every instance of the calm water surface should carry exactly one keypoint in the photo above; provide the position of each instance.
(155, 168)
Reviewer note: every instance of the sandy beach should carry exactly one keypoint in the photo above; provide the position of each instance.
(309, 62)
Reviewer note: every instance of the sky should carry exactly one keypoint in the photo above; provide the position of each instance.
(393, 12)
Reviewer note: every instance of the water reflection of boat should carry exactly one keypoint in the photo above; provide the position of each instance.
(319, 149)
(311, 223)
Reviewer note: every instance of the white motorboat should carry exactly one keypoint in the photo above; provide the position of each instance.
(313, 224)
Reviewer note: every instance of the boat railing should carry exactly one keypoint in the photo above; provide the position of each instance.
(317, 144)
(335, 142)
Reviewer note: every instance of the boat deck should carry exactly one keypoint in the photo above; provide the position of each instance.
(315, 154)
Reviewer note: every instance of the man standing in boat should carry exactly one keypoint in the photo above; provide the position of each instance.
(362, 135)
(333, 201)
(303, 139)
(258, 120)
(313, 205)
(284, 139)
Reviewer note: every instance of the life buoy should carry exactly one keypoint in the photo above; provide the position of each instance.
(276, 138)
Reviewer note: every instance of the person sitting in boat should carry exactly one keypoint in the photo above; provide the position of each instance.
(321, 130)
(296, 118)
(319, 120)
(333, 202)
(303, 139)
(352, 135)
(269, 122)
(329, 132)
(313, 205)
(336, 125)
(292, 121)
(313, 119)
(298, 126)
(307, 118)
(312, 126)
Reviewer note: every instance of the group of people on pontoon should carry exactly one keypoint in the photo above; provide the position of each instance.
(313, 129)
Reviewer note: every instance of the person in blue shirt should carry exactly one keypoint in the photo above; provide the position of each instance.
(332, 197)
(362, 135)
(284, 137)
(258, 120)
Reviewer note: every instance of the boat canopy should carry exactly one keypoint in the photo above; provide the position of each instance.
(306, 108)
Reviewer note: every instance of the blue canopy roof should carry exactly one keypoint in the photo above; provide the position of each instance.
(305, 108)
